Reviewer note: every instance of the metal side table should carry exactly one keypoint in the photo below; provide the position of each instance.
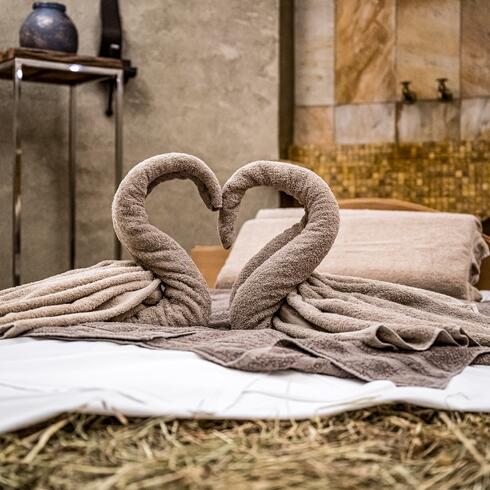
(34, 65)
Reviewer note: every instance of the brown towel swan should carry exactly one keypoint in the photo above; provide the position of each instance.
(289, 258)
(163, 286)
(278, 288)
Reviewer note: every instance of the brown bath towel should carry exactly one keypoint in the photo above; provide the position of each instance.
(163, 287)
(279, 289)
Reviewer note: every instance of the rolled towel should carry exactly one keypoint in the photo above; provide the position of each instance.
(162, 287)
(278, 287)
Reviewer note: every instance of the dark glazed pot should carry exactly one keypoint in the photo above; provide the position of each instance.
(48, 27)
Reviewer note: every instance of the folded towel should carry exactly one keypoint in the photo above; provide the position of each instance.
(441, 252)
(163, 287)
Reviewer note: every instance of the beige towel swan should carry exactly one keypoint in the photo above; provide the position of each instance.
(163, 286)
(278, 287)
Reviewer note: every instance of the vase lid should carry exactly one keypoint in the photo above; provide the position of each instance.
(49, 5)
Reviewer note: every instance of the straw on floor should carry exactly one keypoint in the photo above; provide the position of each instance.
(383, 447)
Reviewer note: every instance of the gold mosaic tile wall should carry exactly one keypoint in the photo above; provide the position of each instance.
(446, 176)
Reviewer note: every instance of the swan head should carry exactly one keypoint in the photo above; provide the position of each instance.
(308, 188)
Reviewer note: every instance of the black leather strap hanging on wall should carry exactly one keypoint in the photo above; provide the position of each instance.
(111, 43)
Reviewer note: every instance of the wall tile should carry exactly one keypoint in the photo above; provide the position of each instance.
(365, 51)
(475, 52)
(475, 119)
(314, 55)
(313, 125)
(428, 121)
(428, 44)
(366, 123)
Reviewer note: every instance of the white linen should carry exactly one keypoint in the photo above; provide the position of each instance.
(43, 378)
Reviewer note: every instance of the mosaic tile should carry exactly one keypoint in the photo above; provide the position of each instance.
(447, 176)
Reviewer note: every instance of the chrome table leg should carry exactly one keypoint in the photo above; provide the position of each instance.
(72, 162)
(17, 188)
(119, 145)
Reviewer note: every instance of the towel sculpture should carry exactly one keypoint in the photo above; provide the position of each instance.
(282, 315)
(164, 288)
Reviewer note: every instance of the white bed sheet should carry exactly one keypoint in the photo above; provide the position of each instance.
(42, 378)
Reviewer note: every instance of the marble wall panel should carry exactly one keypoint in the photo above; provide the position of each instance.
(475, 119)
(314, 52)
(365, 51)
(428, 121)
(313, 125)
(428, 44)
(365, 123)
(475, 48)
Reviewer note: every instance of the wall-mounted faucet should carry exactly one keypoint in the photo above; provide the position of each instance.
(408, 96)
(445, 95)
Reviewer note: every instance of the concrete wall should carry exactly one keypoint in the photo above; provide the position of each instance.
(208, 84)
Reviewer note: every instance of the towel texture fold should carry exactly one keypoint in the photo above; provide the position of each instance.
(270, 350)
(163, 286)
(279, 289)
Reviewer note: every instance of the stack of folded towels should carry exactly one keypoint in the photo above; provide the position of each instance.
(441, 252)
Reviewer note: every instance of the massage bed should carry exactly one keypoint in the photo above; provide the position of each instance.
(106, 378)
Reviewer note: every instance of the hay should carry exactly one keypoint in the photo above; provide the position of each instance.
(384, 447)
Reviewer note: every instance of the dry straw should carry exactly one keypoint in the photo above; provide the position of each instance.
(384, 447)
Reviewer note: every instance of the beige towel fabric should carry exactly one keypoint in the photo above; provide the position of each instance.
(270, 350)
(279, 315)
(441, 252)
(163, 286)
(279, 289)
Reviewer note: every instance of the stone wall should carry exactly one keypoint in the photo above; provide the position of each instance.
(351, 55)
(208, 84)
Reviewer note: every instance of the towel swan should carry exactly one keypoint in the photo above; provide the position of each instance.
(292, 256)
(162, 287)
(278, 287)
(185, 299)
